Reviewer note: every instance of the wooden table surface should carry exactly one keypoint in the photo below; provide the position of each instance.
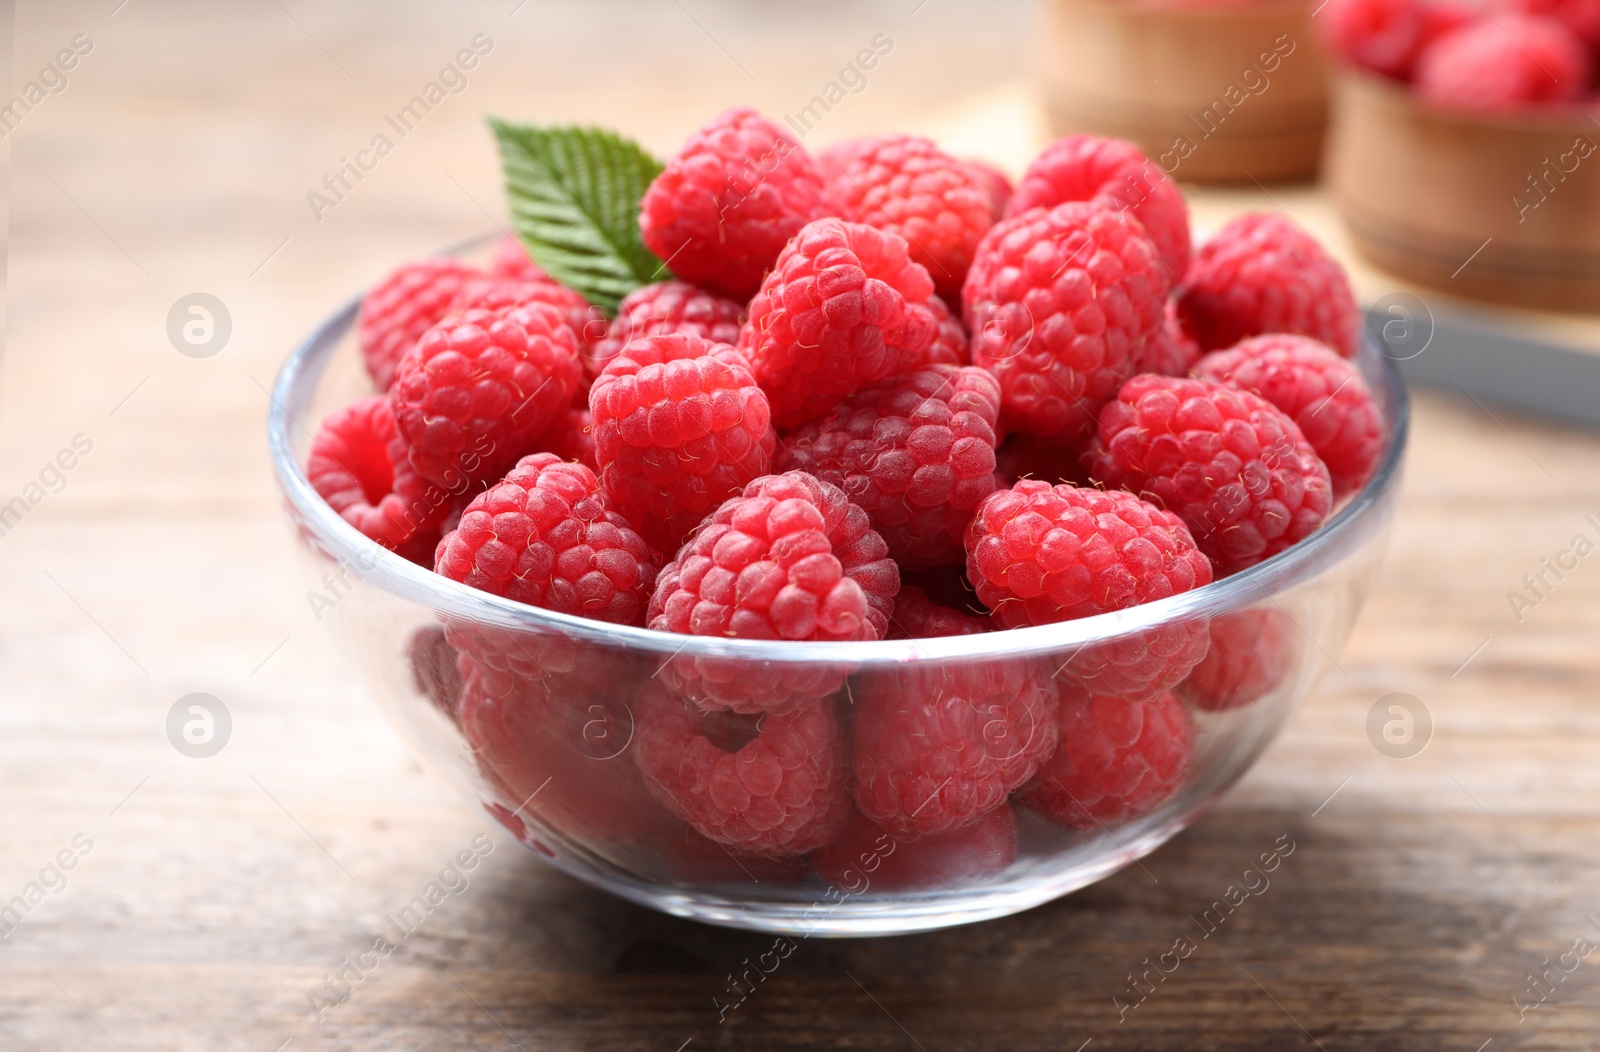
(208, 896)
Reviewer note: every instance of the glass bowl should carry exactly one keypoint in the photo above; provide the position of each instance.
(571, 732)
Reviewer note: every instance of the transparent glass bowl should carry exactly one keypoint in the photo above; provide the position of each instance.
(553, 757)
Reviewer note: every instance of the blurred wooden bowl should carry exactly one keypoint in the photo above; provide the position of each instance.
(1493, 207)
(1213, 94)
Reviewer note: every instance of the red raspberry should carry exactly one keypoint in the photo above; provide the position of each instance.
(1261, 274)
(790, 558)
(1321, 392)
(937, 746)
(1117, 760)
(774, 785)
(512, 261)
(1582, 17)
(906, 184)
(544, 537)
(666, 307)
(844, 307)
(918, 617)
(552, 756)
(724, 207)
(1115, 174)
(1038, 553)
(1170, 351)
(1060, 302)
(358, 465)
(571, 437)
(478, 388)
(403, 306)
(1251, 653)
(1443, 17)
(1232, 466)
(679, 427)
(916, 452)
(999, 184)
(865, 857)
(951, 345)
(587, 321)
(1380, 35)
(434, 672)
(1504, 63)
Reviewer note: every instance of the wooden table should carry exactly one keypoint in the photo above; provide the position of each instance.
(213, 894)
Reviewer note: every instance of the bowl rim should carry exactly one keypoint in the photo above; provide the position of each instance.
(1340, 536)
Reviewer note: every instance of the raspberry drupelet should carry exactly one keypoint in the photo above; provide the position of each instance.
(478, 388)
(1321, 392)
(403, 306)
(1232, 466)
(1261, 273)
(941, 206)
(1116, 174)
(728, 202)
(951, 345)
(844, 307)
(679, 427)
(667, 307)
(916, 452)
(588, 322)
(1060, 304)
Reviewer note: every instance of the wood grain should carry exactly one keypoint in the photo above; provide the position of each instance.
(217, 893)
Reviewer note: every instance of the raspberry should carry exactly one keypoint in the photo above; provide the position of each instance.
(1117, 760)
(1251, 653)
(1232, 466)
(1115, 174)
(1380, 35)
(1582, 17)
(865, 857)
(906, 184)
(588, 322)
(543, 536)
(789, 558)
(724, 207)
(1321, 392)
(679, 427)
(571, 437)
(1059, 303)
(1504, 63)
(1038, 553)
(1261, 274)
(512, 261)
(1170, 351)
(951, 345)
(774, 785)
(844, 307)
(434, 672)
(541, 749)
(358, 465)
(916, 452)
(998, 183)
(666, 307)
(403, 306)
(478, 388)
(937, 746)
(918, 617)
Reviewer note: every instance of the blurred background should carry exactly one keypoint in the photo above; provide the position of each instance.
(175, 156)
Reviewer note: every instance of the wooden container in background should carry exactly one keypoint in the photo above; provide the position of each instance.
(1493, 207)
(1211, 94)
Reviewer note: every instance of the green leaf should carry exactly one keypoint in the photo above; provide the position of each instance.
(574, 194)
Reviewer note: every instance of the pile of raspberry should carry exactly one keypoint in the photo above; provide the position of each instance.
(885, 396)
(1489, 57)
